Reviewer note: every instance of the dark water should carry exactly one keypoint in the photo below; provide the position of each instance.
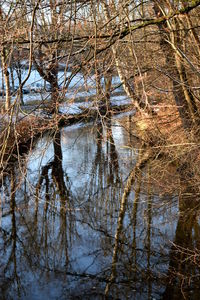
(65, 233)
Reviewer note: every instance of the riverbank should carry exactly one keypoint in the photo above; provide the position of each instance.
(18, 133)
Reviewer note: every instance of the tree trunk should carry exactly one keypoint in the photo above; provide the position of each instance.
(12, 79)
(50, 75)
(7, 80)
(2, 83)
(20, 90)
(54, 96)
(170, 44)
(108, 85)
(19, 75)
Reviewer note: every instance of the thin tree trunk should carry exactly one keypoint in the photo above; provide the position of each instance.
(12, 78)
(18, 68)
(108, 85)
(2, 83)
(127, 88)
(7, 80)
(20, 88)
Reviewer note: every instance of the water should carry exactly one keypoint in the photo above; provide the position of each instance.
(61, 236)
(80, 87)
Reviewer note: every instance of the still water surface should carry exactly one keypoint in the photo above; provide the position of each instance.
(65, 235)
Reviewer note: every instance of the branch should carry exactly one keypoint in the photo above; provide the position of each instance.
(31, 44)
(118, 34)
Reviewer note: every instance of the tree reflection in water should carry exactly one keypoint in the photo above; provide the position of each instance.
(183, 273)
(77, 227)
(10, 240)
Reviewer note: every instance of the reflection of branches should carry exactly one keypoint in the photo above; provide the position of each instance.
(13, 237)
(183, 272)
(104, 179)
(63, 191)
(131, 179)
(134, 220)
(105, 169)
(114, 164)
(57, 173)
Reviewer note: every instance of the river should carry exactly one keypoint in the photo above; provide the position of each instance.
(64, 233)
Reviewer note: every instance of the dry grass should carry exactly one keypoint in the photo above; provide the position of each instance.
(175, 152)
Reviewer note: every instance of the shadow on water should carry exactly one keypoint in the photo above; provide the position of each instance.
(85, 217)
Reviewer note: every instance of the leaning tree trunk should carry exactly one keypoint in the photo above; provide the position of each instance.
(170, 42)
